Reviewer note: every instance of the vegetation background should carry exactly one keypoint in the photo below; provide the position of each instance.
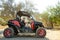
(50, 18)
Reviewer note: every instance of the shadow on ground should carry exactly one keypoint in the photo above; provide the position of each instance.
(19, 37)
(1, 32)
(24, 38)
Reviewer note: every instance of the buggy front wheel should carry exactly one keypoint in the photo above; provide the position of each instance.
(8, 33)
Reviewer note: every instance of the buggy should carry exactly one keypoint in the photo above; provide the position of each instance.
(19, 25)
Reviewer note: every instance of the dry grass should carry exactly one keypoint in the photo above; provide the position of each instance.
(3, 27)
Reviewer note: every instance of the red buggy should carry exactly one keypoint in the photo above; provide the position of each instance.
(17, 25)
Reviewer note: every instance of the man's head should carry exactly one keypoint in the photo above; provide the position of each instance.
(22, 18)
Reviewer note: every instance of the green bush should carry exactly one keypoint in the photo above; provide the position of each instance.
(3, 22)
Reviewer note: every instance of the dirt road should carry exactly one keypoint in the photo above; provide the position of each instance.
(51, 35)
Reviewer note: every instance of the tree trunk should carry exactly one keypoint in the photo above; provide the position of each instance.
(51, 24)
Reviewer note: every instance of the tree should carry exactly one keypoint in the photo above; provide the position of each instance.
(9, 10)
(55, 14)
(28, 7)
(45, 18)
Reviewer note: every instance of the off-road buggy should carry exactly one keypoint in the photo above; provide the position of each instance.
(18, 25)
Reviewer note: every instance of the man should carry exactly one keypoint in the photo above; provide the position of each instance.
(22, 21)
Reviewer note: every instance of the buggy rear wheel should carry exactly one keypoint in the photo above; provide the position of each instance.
(8, 33)
(40, 32)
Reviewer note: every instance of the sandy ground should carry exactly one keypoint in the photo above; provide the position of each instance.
(3, 27)
(51, 35)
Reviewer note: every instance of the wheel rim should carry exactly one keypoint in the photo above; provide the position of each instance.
(41, 32)
(7, 33)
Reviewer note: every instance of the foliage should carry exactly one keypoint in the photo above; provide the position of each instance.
(52, 15)
(9, 10)
(55, 14)
(2, 22)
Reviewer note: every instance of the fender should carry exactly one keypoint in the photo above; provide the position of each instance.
(40, 24)
(12, 25)
(32, 25)
(15, 22)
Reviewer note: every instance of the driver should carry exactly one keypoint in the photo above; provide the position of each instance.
(23, 21)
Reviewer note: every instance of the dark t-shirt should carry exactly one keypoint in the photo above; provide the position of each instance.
(22, 23)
